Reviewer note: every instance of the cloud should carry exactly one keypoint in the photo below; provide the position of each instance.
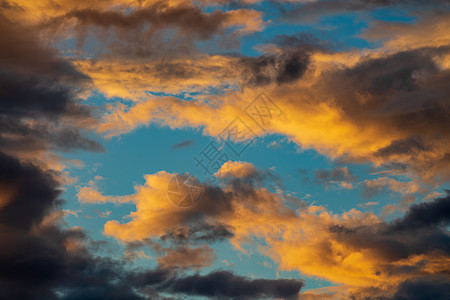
(185, 257)
(38, 255)
(425, 215)
(237, 169)
(182, 144)
(226, 284)
(341, 176)
(152, 29)
(41, 259)
(312, 10)
(89, 194)
(377, 186)
(285, 67)
(364, 252)
(436, 287)
(361, 101)
(199, 232)
(39, 110)
(387, 106)
(428, 31)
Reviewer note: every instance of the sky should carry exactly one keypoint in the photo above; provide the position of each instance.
(246, 149)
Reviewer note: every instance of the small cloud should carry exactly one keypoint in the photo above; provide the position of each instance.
(371, 203)
(339, 177)
(228, 264)
(182, 144)
(104, 214)
(433, 195)
(238, 169)
(71, 212)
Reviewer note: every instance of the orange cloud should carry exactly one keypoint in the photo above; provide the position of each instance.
(353, 248)
(236, 169)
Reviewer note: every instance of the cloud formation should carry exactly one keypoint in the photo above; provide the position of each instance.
(364, 252)
(189, 64)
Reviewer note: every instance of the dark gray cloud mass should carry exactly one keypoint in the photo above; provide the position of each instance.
(39, 111)
(288, 66)
(421, 230)
(37, 85)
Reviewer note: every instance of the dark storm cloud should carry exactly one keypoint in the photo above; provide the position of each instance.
(424, 287)
(33, 258)
(420, 231)
(424, 215)
(33, 193)
(38, 92)
(21, 52)
(406, 92)
(392, 73)
(403, 146)
(40, 137)
(225, 284)
(33, 80)
(286, 67)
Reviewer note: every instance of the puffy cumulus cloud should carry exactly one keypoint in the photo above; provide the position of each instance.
(368, 255)
(156, 216)
(236, 169)
(41, 258)
(380, 255)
